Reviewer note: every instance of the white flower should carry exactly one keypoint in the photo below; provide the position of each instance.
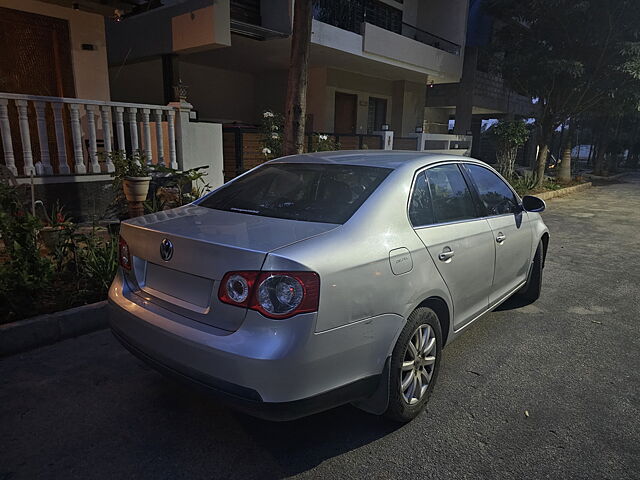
(266, 151)
(275, 136)
(324, 137)
(267, 114)
(274, 127)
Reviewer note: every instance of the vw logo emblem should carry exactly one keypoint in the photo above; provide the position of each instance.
(166, 249)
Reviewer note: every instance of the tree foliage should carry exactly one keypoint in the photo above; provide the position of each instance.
(509, 135)
(572, 57)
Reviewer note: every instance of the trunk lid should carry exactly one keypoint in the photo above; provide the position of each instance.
(206, 244)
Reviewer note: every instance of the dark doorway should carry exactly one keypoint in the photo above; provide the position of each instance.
(345, 116)
(377, 114)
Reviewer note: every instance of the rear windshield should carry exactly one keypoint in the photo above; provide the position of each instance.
(300, 191)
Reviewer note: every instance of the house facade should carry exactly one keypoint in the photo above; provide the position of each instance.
(370, 60)
(58, 120)
(112, 75)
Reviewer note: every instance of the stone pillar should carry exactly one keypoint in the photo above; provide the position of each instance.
(387, 139)
(182, 109)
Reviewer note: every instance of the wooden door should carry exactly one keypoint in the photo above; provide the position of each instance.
(35, 59)
(35, 54)
(345, 116)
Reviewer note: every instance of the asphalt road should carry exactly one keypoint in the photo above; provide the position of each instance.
(551, 390)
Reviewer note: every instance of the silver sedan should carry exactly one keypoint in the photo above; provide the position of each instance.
(317, 280)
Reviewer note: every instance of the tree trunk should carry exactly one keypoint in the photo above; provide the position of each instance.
(598, 161)
(541, 163)
(564, 172)
(506, 162)
(296, 103)
(545, 134)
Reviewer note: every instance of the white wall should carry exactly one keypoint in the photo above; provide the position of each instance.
(202, 145)
(89, 66)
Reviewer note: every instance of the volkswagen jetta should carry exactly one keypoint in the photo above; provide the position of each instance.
(317, 280)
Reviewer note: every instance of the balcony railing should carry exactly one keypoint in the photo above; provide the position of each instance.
(350, 15)
(61, 136)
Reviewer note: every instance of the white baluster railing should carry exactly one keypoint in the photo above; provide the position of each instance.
(146, 134)
(25, 135)
(74, 120)
(159, 136)
(133, 127)
(105, 111)
(43, 167)
(7, 142)
(171, 133)
(93, 143)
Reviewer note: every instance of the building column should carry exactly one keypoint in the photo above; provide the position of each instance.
(476, 131)
(464, 103)
(407, 109)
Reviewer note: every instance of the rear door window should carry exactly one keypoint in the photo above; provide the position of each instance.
(309, 192)
(450, 195)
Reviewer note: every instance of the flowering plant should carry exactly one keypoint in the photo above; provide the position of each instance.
(323, 143)
(271, 140)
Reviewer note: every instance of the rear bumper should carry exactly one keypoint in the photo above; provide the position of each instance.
(276, 369)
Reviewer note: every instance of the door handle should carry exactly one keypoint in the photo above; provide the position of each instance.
(446, 254)
(501, 237)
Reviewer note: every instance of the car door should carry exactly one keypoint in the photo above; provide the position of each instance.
(511, 230)
(445, 217)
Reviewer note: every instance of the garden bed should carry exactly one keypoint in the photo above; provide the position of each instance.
(50, 266)
(549, 185)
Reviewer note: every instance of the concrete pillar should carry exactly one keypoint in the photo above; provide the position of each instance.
(408, 102)
(476, 131)
(464, 103)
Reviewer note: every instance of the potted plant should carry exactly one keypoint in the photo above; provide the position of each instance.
(133, 172)
(55, 224)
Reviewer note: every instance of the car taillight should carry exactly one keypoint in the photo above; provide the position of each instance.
(236, 288)
(273, 294)
(124, 256)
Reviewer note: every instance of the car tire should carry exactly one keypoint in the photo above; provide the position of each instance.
(530, 292)
(404, 403)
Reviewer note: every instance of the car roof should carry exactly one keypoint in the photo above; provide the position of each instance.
(394, 159)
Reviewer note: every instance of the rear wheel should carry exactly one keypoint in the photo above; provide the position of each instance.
(415, 363)
(530, 292)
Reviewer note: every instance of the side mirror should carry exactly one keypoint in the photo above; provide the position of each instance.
(533, 204)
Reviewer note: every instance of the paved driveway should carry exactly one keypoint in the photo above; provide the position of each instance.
(85, 408)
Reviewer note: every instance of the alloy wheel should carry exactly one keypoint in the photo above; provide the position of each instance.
(418, 364)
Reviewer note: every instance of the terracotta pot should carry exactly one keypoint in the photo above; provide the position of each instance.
(50, 236)
(136, 188)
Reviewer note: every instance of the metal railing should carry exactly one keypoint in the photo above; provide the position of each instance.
(350, 15)
(430, 39)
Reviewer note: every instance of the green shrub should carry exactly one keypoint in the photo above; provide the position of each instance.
(24, 273)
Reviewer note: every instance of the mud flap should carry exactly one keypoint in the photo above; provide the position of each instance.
(378, 402)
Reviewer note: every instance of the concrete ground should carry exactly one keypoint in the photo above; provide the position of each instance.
(550, 390)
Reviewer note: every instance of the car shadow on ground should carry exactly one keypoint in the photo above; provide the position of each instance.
(512, 303)
(272, 449)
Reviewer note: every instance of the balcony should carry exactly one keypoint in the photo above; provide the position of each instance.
(351, 16)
